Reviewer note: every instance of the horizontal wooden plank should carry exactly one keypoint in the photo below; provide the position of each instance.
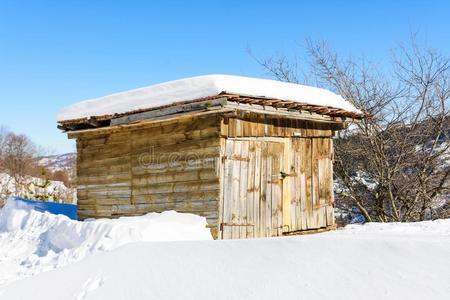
(119, 179)
(177, 187)
(171, 110)
(172, 177)
(197, 146)
(174, 139)
(156, 156)
(211, 195)
(251, 125)
(176, 166)
(147, 208)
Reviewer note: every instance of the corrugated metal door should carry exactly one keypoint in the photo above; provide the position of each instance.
(252, 189)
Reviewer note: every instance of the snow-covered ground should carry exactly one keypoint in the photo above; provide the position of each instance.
(35, 188)
(144, 258)
(32, 242)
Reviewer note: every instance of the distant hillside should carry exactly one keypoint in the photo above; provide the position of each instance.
(36, 189)
(59, 162)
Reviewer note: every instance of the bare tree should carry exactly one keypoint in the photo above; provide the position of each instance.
(5, 181)
(17, 157)
(22, 175)
(393, 165)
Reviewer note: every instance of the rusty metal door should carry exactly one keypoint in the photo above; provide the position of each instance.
(252, 189)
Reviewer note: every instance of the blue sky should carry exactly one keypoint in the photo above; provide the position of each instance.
(53, 53)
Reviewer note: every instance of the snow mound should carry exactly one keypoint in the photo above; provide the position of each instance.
(32, 242)
(373, 262)
(200, 87)
(428, 228)
(402, 260)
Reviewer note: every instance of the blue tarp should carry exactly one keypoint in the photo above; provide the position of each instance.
(69, 210)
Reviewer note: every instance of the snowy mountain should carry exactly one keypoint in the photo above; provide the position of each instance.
(58, 162)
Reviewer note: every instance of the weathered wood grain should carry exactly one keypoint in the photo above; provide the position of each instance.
(148, 169)
(226, 167)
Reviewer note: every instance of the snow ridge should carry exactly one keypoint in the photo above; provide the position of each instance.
(32, 242)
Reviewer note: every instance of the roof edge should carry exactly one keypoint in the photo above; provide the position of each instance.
(263, 105)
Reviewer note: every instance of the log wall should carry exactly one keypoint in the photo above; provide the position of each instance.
(165, 166)
(223, 166)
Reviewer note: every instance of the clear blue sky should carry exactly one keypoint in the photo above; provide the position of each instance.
(53, 53)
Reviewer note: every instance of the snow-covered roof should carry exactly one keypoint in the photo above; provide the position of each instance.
(199, 87)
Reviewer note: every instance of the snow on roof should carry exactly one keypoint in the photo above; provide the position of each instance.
(201, 87)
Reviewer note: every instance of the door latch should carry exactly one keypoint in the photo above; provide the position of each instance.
(284, 174)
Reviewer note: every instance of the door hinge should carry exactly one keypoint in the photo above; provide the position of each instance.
(233, 224)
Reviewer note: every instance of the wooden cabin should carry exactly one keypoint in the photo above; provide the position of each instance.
(253, 156)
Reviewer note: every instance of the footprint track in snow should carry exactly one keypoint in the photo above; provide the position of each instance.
(90, 285)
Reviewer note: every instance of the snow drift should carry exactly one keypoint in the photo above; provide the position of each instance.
(393, 261)
(110, 259)
(32, 242)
